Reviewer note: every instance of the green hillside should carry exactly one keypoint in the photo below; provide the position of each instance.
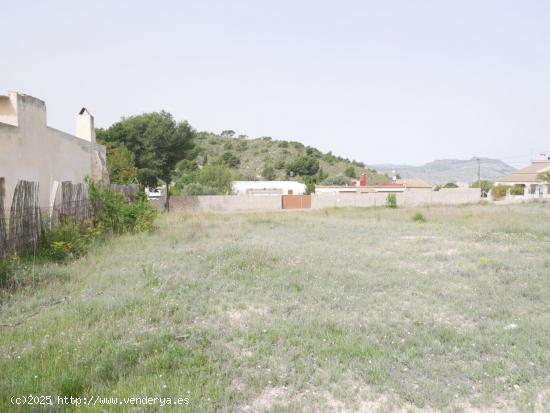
(249, 158)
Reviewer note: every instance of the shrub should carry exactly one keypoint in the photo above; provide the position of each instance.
(283, 144)
(337, 180)
(280, 164)
(419, 217)
(450, 185)
(517, 190)
(314, 152)
(391, 201)
(310, 185)
(228, 146)
(8, 268)
(195, 188)
(217, 177)
(484, 185)
(69, 239)
(268, 173)
(242, 146)
(350, 172)
(230, 160)
(113, 213)
(499, 191)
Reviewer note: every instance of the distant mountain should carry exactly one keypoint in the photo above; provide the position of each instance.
(450, 170)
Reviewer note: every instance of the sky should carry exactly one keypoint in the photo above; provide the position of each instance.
(402, 81)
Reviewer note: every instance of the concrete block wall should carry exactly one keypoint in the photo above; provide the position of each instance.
(227, 203)
(409, 198)
(234, 203)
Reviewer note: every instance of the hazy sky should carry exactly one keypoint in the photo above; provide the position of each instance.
(379, 81)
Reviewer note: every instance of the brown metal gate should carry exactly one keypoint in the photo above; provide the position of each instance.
(296, 201)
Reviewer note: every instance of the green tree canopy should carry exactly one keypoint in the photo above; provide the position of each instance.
(216, 176)
(544, 176)
(303, 166)
(158, 143)
(485, 186)
(337, 180)
(121, 164)
(268, 173)
(350, 172)
(229, 159)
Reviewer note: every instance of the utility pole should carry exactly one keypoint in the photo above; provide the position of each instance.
(483, 195)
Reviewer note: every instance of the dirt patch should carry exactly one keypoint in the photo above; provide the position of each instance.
(242, 317)
(268, 399)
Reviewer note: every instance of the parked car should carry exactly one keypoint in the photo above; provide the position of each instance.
(152, 193)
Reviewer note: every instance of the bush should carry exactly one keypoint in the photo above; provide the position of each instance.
(242, 146)
(8, 268)
(310, 185)
(450, 185)
(391, 201)
(230, 160)
(113, 213)
(337, 180)
(195, 188)
(350, 172)
(419, 217)
(217, 177)
(280, 164)
(268, 173)
(499, 191)
(69, 239)
(517, 190)
(484, 185)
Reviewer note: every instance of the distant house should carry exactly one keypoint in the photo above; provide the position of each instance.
(528, 178)
(400, 185)
(415, 184)
(268, 188)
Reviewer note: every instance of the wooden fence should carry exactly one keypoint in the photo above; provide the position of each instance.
(25, 220)
(22, 229)
(3, 227)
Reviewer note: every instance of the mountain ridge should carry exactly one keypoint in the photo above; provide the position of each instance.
(441, 171)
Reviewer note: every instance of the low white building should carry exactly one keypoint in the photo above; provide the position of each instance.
(268, 188)
(528, 178)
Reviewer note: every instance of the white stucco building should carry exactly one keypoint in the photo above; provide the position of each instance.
(268, 187)
(31, 150)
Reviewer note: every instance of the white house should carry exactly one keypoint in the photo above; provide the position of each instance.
(268, 188)
(528, 178)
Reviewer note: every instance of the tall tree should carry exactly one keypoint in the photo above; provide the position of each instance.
(158, 143)
(121, 165)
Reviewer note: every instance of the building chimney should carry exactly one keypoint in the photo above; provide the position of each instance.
(85, 125)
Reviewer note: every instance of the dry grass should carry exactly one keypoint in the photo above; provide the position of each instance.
(335, 310)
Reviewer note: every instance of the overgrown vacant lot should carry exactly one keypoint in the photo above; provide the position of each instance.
(335, 310)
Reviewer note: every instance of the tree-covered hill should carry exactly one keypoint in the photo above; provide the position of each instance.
(153, 148)
(266, 158)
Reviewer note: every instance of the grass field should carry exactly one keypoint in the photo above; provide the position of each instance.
(335, 310)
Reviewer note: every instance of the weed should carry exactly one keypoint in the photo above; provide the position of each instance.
(419, 217)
